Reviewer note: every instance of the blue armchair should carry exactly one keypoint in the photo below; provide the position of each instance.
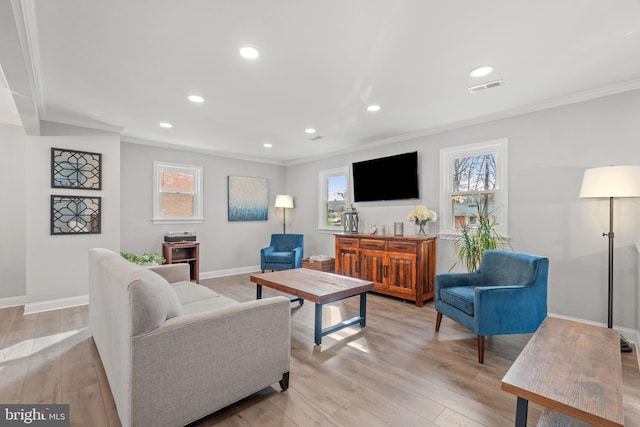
(283, 253)
(506, 295)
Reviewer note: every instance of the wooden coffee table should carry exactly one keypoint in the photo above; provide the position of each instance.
(320, 288)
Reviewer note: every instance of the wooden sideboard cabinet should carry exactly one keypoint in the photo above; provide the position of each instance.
(184, 252)
(402, 267)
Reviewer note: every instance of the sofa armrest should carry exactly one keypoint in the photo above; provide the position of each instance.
(173, 272)
(209, 360)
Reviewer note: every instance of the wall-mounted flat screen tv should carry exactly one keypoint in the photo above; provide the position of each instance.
(386, 178)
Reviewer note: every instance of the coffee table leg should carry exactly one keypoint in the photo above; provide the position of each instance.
(521, 412)
(363, 309)
(318, 324)
(258, 291)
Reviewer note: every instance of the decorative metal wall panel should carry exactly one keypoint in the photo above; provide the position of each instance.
(76, 169)
(75, 215)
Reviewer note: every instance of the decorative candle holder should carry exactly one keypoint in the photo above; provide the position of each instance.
(351, 221)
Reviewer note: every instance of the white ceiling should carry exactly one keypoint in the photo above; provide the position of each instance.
(128, 65)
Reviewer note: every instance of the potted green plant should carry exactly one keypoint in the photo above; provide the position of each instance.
(477, 236)
(149, 259)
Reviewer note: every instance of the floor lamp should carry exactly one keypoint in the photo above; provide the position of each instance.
(285, 202)
(611, 182)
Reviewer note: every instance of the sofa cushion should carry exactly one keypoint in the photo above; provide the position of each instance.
(279, 257)
(190, 292)
(461, 297)
(207, 305)
(153, 301)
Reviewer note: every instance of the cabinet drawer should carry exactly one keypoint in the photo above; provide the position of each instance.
(372, 244)
(348, 243)
(405, 247)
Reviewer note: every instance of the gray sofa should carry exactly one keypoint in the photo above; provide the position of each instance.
(174, 353)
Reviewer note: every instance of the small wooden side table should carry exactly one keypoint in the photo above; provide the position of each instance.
(183, 252)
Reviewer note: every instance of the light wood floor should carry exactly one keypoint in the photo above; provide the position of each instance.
(395, 372)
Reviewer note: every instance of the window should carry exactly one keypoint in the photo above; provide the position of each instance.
(177, 193)
(334, 198)
(473, 180)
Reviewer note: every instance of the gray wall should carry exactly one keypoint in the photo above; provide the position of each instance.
(224, 246)
(12, 215)
(56, 266)
(548, 152)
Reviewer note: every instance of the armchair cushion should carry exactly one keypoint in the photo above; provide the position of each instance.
(281, 257)
(460, 297)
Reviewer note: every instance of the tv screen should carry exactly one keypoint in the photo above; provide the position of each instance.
(386, 178)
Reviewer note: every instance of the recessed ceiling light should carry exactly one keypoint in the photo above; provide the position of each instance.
(195, 98)
(267, 145)
(481, 71)
(373, 108)
(310, 130)
(166, 125)
(249, 52)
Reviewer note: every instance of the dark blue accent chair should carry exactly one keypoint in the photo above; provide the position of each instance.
(506, 295)
(283, 253)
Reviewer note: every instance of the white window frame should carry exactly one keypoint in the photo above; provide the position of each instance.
(447, 157)
(160, 167)
(323, 179)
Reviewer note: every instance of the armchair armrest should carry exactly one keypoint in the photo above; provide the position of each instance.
(520, 308)
(268, 250)
(217, 356)
(298, 256)
(173, 272)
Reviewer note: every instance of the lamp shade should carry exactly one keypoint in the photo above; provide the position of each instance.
(283, 201)
(611, 181)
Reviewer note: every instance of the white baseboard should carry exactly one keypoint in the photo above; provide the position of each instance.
(12, 301)
(229, 272)
(56, 304)
(631, 335)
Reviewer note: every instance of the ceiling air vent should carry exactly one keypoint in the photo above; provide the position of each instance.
(487, 85)
(315, 138)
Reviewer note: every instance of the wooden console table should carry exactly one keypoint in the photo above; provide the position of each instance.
(572, 368)
(402, 267)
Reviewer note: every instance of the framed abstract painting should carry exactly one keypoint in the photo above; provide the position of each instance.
(248, 198)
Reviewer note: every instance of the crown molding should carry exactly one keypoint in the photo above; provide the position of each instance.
(574, 98)
(173, 146)
(9, 120)
(89, 124)
(31, 46)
